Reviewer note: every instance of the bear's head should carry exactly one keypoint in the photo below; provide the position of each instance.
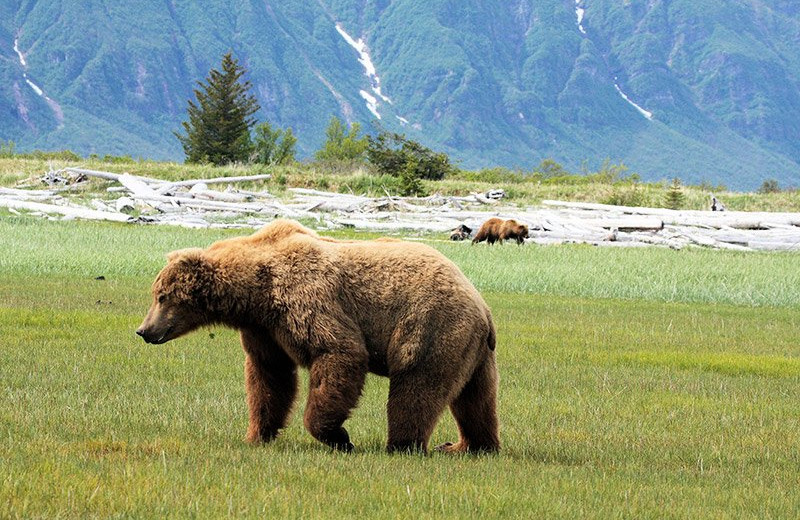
(182, 297)
(515, 230)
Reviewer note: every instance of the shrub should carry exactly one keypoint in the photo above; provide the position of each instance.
(341, 146)
(626, 196)
(7, 148)
(769, 186)
(550, 169)
(393, 154)
(273, 146)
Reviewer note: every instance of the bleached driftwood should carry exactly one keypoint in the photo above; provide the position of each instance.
(142, 191)
(109, 176)
(168, 185)
(734, 219)
(67, 211)
(162, 184)
(210, 205)
(14, 193)
(191, 203)
(201, 191)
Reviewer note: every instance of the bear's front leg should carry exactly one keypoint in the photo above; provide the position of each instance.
(335, 384)
(271, 384)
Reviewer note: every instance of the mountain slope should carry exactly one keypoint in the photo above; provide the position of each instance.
(691, 88)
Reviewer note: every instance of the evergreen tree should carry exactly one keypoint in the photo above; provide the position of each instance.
(218, 129)
(410, 183)
(340, 145)
(674, 198)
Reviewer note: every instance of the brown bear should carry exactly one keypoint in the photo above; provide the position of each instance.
(340, 309)
(496, 230)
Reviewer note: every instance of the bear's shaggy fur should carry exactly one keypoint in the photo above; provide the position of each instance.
(497, 230)
(340, 309)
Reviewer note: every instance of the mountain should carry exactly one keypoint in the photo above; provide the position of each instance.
(699, 89)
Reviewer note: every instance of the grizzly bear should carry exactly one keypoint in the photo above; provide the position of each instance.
(497, 230)
(340, 309)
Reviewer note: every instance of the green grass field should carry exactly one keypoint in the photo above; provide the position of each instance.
(634, 384)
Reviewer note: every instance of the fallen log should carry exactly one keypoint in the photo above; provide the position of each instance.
(111, 176)
(209, 205)
(632, 223)
(738, 219)
(27, 194)
(201, 191)
(574, 235)
(68, 211)
(168, 185)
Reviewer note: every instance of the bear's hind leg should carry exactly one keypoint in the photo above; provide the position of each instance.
(413, 409)
(271, 384)
(475, 411)
(335, 384)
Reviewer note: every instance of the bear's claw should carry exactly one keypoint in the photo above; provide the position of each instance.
(346, 447)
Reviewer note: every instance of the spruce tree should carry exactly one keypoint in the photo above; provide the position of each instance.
(674, 197)
(218, 129)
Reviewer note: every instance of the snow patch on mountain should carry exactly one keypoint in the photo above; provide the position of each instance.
(19, 53)
(55, 107)
(34, 86)
(372, 102)
(579, 12)
(369, 70)
(645, 113)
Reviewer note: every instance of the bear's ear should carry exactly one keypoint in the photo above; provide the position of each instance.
(189, 253)
(192, 260)
(194, 272)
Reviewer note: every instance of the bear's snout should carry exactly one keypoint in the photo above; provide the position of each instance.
(153, 337)
(144, 335)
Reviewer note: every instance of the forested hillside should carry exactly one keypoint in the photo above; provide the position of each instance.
(697, 89)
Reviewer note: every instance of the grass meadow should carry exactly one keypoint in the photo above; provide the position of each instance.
(642, 383)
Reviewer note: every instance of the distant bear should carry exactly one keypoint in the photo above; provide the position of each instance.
(340, 309)
(462, 232)
(497, 230)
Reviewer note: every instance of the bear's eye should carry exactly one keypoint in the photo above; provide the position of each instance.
(162, 298)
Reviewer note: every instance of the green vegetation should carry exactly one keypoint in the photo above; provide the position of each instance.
(273, 146)
(218, 129)
(340, 145)
(626, 391)
(395, 154)
(674, 198)
(769, 186)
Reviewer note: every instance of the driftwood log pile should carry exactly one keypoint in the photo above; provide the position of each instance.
(193, 203)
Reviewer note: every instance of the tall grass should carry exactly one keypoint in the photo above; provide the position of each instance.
(28, 245)
(690, 275)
